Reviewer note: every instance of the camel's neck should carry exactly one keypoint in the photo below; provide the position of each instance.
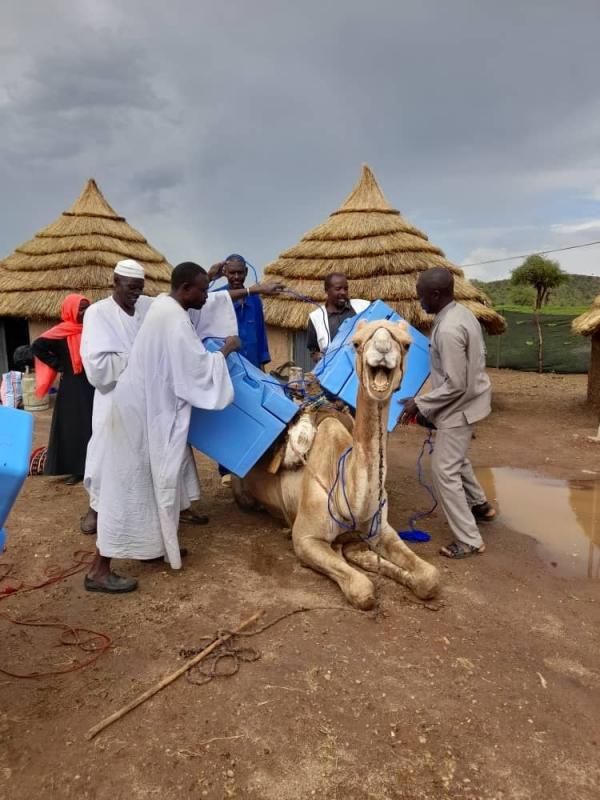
(367, 464)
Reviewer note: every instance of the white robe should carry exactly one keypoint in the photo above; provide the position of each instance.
(169, 371)
(106, 342)
(320, 320)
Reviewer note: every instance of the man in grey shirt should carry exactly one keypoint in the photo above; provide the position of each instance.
(460, 397)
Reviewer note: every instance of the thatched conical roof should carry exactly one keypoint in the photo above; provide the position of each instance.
(76, 253)
(588, 323)
(378, 251)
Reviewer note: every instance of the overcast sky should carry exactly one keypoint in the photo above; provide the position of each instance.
(238, 125)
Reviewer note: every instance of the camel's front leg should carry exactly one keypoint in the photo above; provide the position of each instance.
(417, 574)
(317, 553)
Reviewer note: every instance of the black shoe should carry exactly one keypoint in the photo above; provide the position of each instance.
(189, 517)
(73, 480)
(112, 584)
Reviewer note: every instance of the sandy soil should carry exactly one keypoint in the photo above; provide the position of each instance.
(494, 692)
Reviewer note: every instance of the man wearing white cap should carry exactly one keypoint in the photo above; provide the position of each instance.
(107, 339)
(106, 343)
(168, 372)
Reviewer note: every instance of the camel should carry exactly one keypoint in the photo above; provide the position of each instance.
(304, 490)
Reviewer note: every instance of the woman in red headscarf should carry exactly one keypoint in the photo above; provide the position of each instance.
(57, 351)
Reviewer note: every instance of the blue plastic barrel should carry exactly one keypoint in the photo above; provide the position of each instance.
(16, 432)
(336, 372)
(238, 436)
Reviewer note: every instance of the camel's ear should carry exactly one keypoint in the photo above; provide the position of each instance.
(401, 333)
(357, 337)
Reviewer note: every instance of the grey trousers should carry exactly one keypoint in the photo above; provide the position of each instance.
(455, 484)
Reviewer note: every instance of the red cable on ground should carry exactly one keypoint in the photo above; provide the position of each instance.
(96, 642)
(81, 560)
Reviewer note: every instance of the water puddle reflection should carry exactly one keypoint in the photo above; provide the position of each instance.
(564, 516)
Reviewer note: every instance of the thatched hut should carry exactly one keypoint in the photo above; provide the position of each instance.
(588, 324)
(76, 253)
(380, 253)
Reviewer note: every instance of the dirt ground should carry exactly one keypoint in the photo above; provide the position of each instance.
(493, 692)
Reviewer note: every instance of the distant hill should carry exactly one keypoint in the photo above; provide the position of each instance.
(578, 292)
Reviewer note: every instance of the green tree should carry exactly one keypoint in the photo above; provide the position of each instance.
(543, 274)
(522, 296)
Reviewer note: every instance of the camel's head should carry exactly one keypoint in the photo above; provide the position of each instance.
(381, 347)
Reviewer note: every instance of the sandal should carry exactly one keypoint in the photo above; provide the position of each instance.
(456, 550)
(190, 517)
(484, 512)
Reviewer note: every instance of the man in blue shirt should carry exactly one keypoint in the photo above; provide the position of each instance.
(249, 312)
(248, 308)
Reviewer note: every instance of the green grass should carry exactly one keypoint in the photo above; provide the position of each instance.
(567, 310)
(573, 297)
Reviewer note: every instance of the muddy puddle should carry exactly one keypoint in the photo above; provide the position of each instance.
(563, 516)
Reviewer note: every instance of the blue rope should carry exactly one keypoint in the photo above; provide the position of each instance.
(413, 534)
(340, 472)
(428, 443)
(340, 477)
(375, 526)
(248, 264)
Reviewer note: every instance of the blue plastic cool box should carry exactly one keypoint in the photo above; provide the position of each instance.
(336, 371)
(16, 430)
(239, 435)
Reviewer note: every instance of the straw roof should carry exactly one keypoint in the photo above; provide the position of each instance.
(76, 253)
(588, 323)
(381, 255)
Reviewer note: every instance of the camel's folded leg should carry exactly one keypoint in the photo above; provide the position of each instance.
(358, 553)
(318, 554)
(414, 572)
(243, 498)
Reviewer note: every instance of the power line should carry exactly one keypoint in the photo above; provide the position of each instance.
(526, 255)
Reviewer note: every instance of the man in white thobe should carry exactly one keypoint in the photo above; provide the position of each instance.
(106, 342)
(459, 398)
(108, 336)
(167, 373)
(324, 321)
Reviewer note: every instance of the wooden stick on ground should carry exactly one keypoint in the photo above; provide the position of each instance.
(169, 679)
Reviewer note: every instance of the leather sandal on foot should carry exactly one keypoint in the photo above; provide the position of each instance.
(455, 550)
(190, 517)
(112, 584)
(484, 512)
(182, 552)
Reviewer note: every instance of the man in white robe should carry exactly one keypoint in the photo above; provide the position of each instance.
(168, 372)
(106, 343)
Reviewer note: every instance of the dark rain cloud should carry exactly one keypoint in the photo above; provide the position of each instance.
(239, 125)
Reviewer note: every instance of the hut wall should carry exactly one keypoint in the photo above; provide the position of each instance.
(280, 345)
(39, 326)
(594, 373)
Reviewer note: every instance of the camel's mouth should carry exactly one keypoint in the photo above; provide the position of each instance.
(380, 379)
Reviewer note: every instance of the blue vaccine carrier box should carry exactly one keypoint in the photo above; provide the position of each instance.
(337, 375)
(16, 431)
(240, 434)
